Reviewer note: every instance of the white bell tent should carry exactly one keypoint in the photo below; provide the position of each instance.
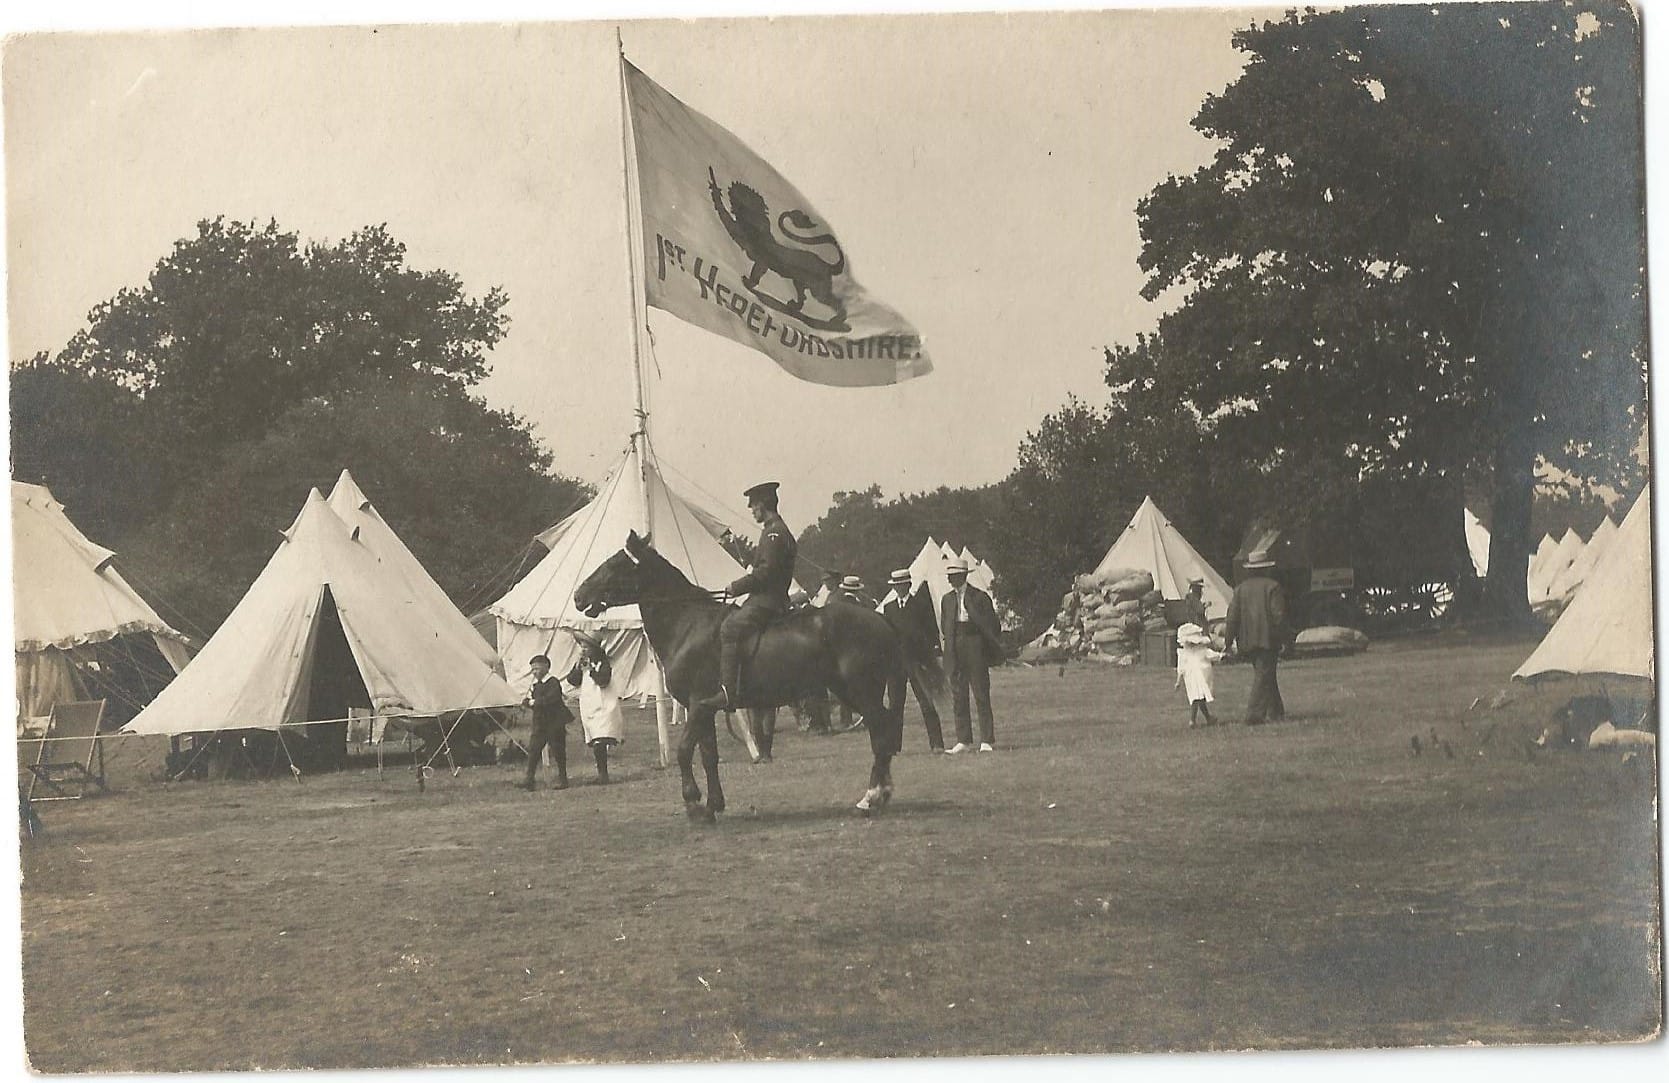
(1607, 629)
(353, 507)
(1150, 543)
(634, 496)
(1565, 585)
(1557, 564)
(327, 612)
(79, 630)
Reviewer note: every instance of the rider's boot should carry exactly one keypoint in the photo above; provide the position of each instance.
(730, 673)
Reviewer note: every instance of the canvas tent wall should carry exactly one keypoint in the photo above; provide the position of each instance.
(79, 630)
(532, 615)
(1607, 629)
(436, 610)
(1151, 543)
(325, 624)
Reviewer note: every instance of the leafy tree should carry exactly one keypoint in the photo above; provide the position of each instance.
(862, 534)
(242, 322)
(80, 436)
(1417, 254)
(187, 421)
(465, 487)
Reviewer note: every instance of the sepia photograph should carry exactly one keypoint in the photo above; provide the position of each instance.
(681, 536)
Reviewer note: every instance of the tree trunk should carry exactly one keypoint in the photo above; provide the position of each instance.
(1506, 594)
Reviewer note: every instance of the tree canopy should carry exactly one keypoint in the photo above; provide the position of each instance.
(1418, 253)
(186, 422)
(866, 535)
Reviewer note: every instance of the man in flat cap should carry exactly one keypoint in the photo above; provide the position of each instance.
(766, 586)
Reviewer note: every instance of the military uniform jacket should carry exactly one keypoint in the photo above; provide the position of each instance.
(772, 577)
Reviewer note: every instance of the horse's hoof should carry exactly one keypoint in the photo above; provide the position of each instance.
(697, 812)
(716, 805)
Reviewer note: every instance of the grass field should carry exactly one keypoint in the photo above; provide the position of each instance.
(1108, 881)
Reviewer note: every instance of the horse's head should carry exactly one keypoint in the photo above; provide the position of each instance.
(619, 580)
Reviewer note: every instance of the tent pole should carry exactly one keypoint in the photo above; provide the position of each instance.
(663, 715)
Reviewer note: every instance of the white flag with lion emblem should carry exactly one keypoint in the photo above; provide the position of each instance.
(733, 247)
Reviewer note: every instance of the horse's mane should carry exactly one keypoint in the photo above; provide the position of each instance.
(678, 581)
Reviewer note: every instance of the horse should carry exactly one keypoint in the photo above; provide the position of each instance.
(850, 650)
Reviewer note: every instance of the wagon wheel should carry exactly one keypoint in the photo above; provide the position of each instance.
(1432, 600)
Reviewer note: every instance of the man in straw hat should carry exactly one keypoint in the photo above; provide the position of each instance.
(973, 643)
(1257, 628)
(766, 586)
(920, 646)
(852, 590)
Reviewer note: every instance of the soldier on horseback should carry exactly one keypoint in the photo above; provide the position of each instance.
(766, 587)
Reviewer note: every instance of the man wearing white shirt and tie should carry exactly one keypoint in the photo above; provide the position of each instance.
(973, 643)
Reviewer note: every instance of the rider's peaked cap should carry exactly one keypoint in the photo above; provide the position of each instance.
(763, 489)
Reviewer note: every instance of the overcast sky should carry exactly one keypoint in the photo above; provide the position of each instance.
(982, 171)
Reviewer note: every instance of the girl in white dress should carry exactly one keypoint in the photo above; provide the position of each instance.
(1194, 656)
(600, 714)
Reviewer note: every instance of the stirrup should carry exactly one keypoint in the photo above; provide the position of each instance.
(719, 701)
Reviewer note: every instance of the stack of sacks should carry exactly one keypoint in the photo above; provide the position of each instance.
(1109, 612)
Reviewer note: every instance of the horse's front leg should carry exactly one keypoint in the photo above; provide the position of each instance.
(710, 761)
(880, 768)
(686, 762)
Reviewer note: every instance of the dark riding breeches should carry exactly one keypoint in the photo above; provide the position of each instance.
(738, 628)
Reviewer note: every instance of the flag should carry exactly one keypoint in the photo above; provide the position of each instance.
(731, 246)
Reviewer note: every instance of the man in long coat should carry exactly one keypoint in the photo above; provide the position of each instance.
(921, 649)
(973, 643)
(1257, 628)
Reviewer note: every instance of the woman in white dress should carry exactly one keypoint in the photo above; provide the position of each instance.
(603, 721)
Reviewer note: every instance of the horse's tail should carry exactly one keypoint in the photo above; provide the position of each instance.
(931, 675)
(897, 681)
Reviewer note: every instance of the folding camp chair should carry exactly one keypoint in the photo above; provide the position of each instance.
(62, 764)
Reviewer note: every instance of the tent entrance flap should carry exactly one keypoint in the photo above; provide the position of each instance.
(331, 684)
(334, 683)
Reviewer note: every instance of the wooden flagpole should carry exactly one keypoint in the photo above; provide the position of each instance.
(640, 430)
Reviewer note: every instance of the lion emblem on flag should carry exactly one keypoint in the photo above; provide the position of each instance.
(797, 256)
